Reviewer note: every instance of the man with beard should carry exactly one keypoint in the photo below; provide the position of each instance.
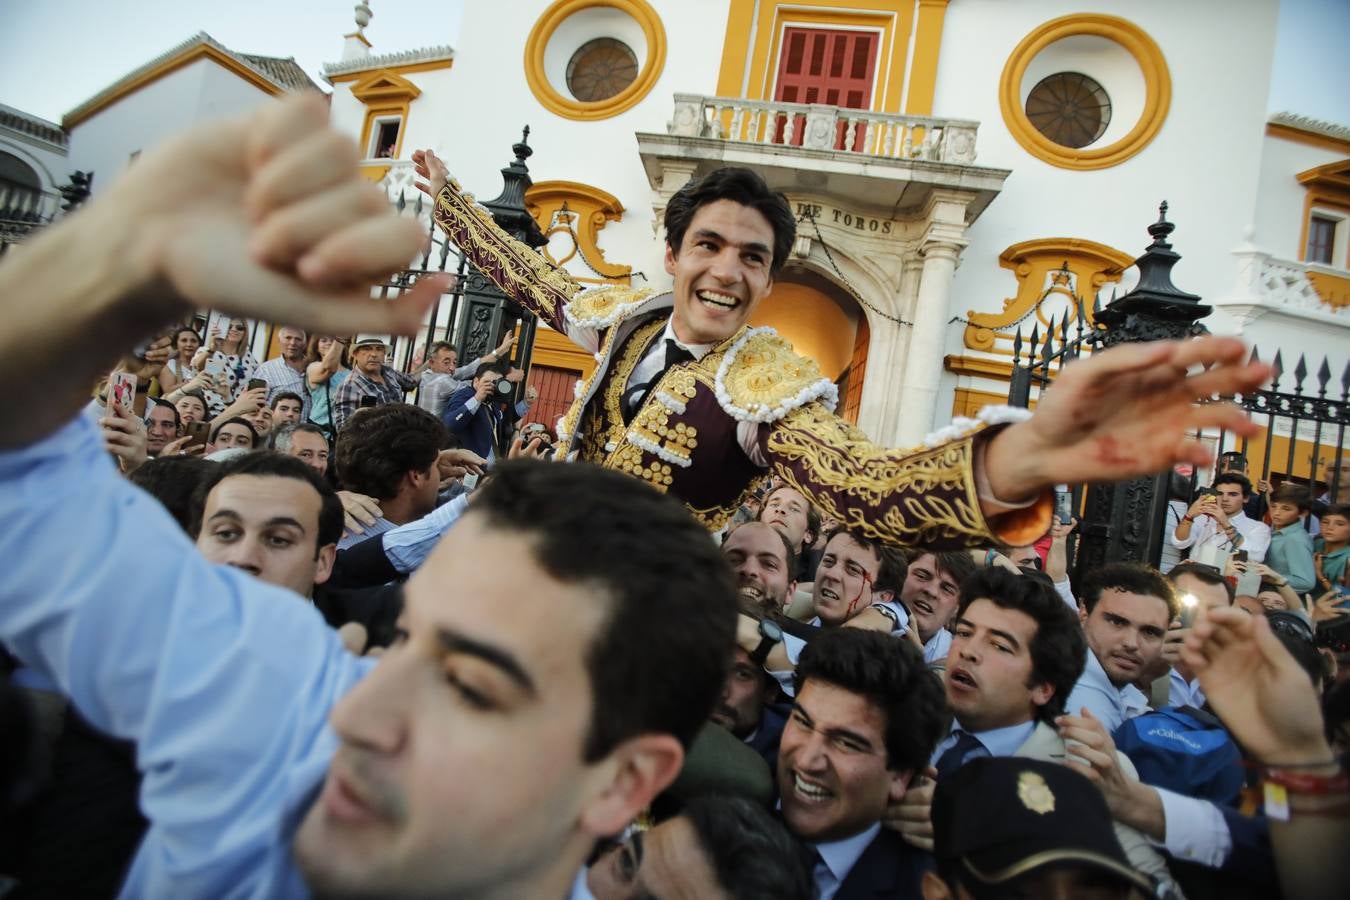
(763, 560)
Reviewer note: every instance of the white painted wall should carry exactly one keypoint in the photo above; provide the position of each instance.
(197, 92)
(1279, 201)
(47, 161)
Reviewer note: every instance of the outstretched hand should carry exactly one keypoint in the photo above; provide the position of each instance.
(430, 168)
(1125, 412)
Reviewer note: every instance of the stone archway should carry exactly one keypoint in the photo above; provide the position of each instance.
(823, 322)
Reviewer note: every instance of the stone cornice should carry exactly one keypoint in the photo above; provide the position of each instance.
(387, 60)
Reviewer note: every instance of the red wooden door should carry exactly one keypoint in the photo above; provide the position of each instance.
(556, 392)
(817, 65)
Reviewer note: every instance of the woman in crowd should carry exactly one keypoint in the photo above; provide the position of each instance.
(230, 349)
(180, 378)
(326, 366)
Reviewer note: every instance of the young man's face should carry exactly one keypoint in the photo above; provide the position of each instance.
(487, 381)
(786, 510)
(261, 420)
(832, 773)
(160, 428)
(666, 861)
(311, 449)
(292, 341)
(988, 678)
(721, 271)
(1125, 632)
(233, 435)
(287, 412)
(744, 694)
(757, 554)
(268, 526)
(844, 580)
(443, 361)
(190, 409)
(1283, 513)
(930, 595)
(1230, 498)
(460, 764)
(1335, 528)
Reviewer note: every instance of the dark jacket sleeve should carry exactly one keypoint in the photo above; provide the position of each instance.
(363, 565)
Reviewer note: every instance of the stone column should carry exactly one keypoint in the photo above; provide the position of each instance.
(923, 362)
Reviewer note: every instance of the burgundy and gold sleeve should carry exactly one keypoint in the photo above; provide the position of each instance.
(521, 273)
(916, 498)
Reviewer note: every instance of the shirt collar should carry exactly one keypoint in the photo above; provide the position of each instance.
(698, 350)
(1002, 741)
(841, 856)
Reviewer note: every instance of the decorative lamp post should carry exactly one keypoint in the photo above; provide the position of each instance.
(1125, 520)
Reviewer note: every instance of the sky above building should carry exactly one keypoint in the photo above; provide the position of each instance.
(54, 54)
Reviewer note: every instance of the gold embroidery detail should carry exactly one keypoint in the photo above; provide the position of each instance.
(766, 373)
(596, 308)
(853, 481)
(1034, 793)
(605, 424)
(530, 278)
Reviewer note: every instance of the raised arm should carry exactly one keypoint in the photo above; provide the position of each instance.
(521, 273)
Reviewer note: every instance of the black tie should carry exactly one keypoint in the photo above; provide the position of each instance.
(956, 755)
(635, 396)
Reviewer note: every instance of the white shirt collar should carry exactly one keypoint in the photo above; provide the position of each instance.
(580, 889)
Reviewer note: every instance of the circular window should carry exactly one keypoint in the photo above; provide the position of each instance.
(600, 69)
(1070, 109)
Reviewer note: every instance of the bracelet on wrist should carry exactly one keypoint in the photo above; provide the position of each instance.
(1188, 518)
(1306, 783)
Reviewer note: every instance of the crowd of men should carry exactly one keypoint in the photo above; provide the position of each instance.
(381, 652)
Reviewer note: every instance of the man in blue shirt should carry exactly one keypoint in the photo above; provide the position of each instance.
(530, 707)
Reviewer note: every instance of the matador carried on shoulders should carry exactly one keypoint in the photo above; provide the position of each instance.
(687, 396)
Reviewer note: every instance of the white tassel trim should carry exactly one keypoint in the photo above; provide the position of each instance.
(656, 449)
(963, 426)
(822, 390)
(674, 404)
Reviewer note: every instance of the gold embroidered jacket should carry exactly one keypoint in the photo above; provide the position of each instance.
(687, 436)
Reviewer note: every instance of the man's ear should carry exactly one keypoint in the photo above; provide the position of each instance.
(323, 563)
(670, 258)
(899, 784)
(1042, 692)
(629, 779)
(1082, 612)
(883, 596)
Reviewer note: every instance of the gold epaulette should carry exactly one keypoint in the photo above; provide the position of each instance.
(603, 306)
(762, 379)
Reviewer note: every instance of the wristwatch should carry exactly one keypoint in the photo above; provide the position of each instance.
(769, 635)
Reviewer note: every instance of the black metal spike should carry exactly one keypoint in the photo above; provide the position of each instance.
(1323, 376)
(1035, 340)
(1064, 329)
(402, 203)
(1300, 373)
(1255, 357)
(418, 208)
(1017, 345)
(1048, 349)
(1345, 380)
(1278, 363)
(1078, 302)
(1096, 304)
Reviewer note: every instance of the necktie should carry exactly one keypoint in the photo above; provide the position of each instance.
(966, 746)
(635, 396)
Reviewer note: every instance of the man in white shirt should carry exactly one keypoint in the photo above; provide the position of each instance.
(1216, 520)
(286, 373)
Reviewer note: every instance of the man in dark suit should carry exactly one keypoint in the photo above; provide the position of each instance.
(475, 412)
(867, 716)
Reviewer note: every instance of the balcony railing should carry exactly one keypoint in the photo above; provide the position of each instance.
(820, 127)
